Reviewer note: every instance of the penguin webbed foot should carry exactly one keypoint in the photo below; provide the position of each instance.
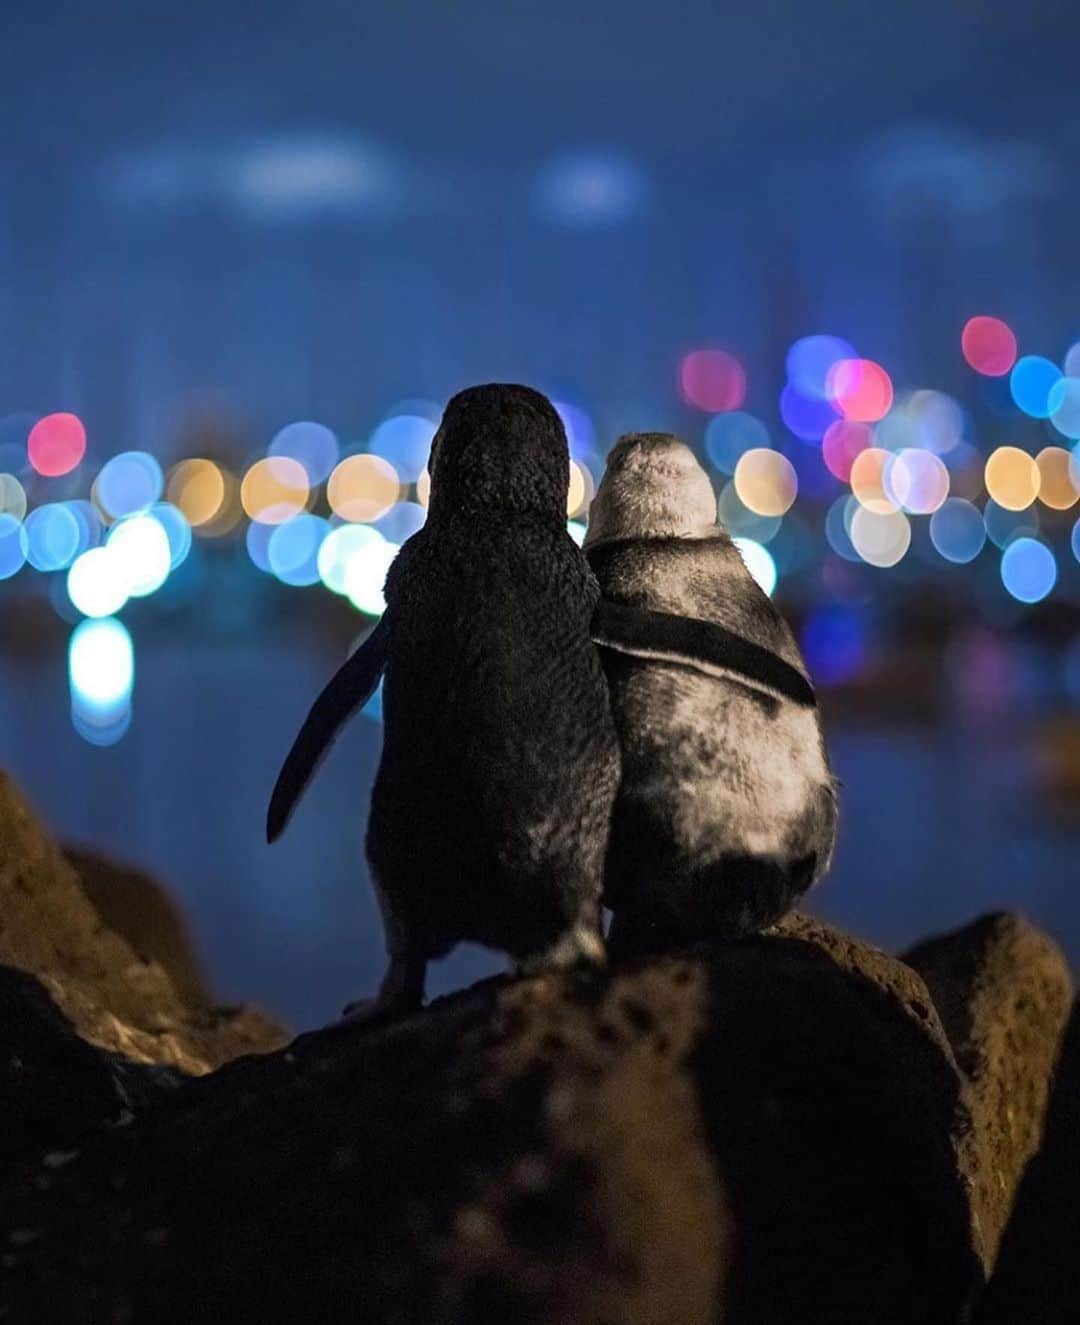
(401, 991)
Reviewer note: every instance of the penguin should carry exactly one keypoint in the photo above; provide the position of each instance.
(500, 763)
(727, 809)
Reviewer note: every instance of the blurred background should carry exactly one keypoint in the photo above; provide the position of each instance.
(246, 256)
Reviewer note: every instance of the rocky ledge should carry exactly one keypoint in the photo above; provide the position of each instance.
(794, 1128)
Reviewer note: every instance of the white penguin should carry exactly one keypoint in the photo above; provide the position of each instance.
(726, 812)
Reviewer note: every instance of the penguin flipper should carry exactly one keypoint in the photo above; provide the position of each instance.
(350, 688)
(702, 645)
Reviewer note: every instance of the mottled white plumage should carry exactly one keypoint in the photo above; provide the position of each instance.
(727, 810)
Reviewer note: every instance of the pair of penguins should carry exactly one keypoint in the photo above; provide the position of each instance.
(629, 725)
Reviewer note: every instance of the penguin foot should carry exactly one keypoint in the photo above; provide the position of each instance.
(372, 1009)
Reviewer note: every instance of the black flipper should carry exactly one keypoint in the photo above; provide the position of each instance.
(701, 645)
(350, 688)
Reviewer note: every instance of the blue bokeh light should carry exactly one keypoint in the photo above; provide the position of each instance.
(1064, 402)
(1032, 384)
(837, 526)
(957, 530)
(293, 549)
(809, 361)
(12, 546)
(1028, 570)
(728, 436)
(405, 441)
(128, 484)
(52, 537)
(101, 675)
(401, 521)
(804, 416)
(257, 542)
(1003, 525)
(313, 444)
(177, 531)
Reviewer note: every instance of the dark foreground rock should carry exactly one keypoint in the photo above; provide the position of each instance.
(779, 1130)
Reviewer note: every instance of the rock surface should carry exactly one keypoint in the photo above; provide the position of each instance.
(796, 1127)
(116, 996)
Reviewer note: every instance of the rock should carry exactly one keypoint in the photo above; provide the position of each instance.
(795, 1127)
(1003, 992)
(137, 907)
(759, 1132)
(114, 996)
(1037, 1276)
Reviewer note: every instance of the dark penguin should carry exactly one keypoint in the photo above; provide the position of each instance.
(492, 802)
(726, 813)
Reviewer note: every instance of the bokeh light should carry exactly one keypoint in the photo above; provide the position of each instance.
(142, 548)
(274, 490)
(957, 530)
(177, 531)
(860, 389)
(988, 345)
(12, 496)
(712, 380)
(580, 433)
(404, 441)
(868, 480)
(766, 482)
(12, 546)
(365, 575)
(1028, 570)
(312, 444)
(1032, 384)
(401, 521)
(938, 421)
(56, 444)
(729, 436)
(881, 539)
(197, 489)
(363, 488)
(576, 530)
(101, 676)
(423, 489)
(1074, 540)
(737, 518)
(1012, 478)
(1056, 487)
(809, 361)
(916, 481)
(837, 525)
(128, 483)
(52, 537)
(843, 441)
(804, 416)
(293, 549)
(580, 491)
(257, 541)
(1003, 525)
(759, 563)
(97, 582)
(91, 527)
(338, 548)
(1064, 405)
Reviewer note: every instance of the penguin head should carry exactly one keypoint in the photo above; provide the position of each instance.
(653, 487)
(500, 447)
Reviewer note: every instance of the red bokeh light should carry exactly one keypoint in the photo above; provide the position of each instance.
(842, 442)
(56, 444)
(989, 346)
(713, 380)
(860, 389)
